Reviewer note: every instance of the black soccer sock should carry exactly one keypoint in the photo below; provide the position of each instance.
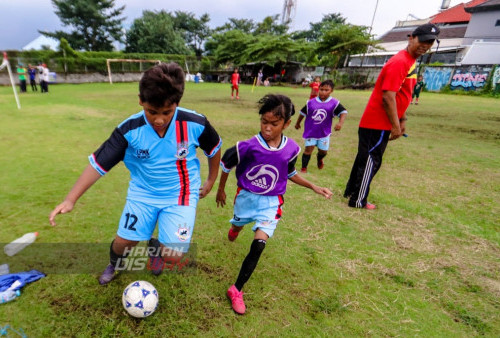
(114, 257)
(320, 156)
(305, 160)
(250, 262)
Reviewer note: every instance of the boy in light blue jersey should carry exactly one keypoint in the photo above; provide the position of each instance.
(158, 146)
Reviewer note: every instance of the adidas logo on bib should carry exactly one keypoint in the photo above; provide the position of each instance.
(261, 183)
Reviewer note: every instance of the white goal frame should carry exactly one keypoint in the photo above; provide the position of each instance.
(108, 64)
(5, 63)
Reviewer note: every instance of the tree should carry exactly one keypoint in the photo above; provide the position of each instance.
(317, 29)
(229, 46)
(273, 49)
(244, 25)
(270, 25)
(341, 40)
(94, 24)
(155, 32)
(195, 31)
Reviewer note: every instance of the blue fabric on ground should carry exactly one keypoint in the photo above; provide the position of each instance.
(23, 277)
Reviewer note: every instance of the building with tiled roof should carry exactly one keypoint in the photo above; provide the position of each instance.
(483, 34)
(456, 14)
(454, 40)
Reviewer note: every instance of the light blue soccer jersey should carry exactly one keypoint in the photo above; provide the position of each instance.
(163, 170)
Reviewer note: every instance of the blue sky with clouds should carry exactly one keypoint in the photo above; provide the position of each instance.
(21, 19)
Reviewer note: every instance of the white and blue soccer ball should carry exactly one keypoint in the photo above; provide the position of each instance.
(140, 299)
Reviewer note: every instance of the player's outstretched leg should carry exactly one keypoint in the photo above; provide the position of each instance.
(236, 298)
(114, 260)
(233, 233)
(320, 156)
(305, 162)
(249, 264)
(155, 263)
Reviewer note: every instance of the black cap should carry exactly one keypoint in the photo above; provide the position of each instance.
(426, 32)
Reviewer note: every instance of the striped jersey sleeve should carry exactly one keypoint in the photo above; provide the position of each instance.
(229, 160)
(109, 153)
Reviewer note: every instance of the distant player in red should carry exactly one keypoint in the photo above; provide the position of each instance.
(235, 80)
(314, 87)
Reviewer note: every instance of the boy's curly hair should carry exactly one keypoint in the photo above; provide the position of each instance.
(280, 105)
(162, 84)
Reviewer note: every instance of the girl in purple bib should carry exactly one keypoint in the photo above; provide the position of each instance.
(263, 164)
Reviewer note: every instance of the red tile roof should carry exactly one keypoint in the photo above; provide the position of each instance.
(456, 13)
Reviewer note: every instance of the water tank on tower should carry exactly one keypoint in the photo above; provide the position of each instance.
(445, 4)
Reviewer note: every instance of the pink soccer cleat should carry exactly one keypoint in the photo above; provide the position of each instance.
(370, 206)
(236, 298)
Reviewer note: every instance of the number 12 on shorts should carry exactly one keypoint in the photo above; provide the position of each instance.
(130, 221)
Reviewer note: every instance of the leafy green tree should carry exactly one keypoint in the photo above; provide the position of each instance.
(273, 49)
(194, 31)
(270, 25)
(155, 32)
(243, 25)
(94, 24)
(229, 46)
(341, 40)
(316, 29)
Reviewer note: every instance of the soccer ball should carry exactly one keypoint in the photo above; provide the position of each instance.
(140, 299)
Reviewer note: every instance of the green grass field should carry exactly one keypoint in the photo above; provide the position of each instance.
(425, 263)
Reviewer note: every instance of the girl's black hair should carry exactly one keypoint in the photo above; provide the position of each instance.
(280, 105)
(163, 83)
(327, 83)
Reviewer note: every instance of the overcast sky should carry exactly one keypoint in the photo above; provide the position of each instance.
(21, 19)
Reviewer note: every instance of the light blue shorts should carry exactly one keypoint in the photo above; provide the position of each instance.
(265, 211)
(175, 224)
(321, 143)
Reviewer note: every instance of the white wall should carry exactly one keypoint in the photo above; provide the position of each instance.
(482, 26)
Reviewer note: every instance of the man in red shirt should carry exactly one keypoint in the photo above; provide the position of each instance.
(235, 80)
(384, 117)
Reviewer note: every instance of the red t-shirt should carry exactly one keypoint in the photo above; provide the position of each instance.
(314, 89)
(235, 79)
(398, 75)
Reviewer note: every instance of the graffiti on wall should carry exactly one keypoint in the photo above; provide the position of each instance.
(470, 79)
(436, 78)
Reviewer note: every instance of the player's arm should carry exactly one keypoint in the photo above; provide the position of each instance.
(390, 107)
(85, 181)
(305, 183)
(228, 161)
(213, 172)
(221, 191)
(341, 112)
(102, 160)
(303, 112)
(296, 178)
(210, 142)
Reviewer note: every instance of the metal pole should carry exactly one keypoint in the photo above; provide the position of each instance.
(370, 31)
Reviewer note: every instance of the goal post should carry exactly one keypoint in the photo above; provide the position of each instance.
(108, 64)
(5, 64)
